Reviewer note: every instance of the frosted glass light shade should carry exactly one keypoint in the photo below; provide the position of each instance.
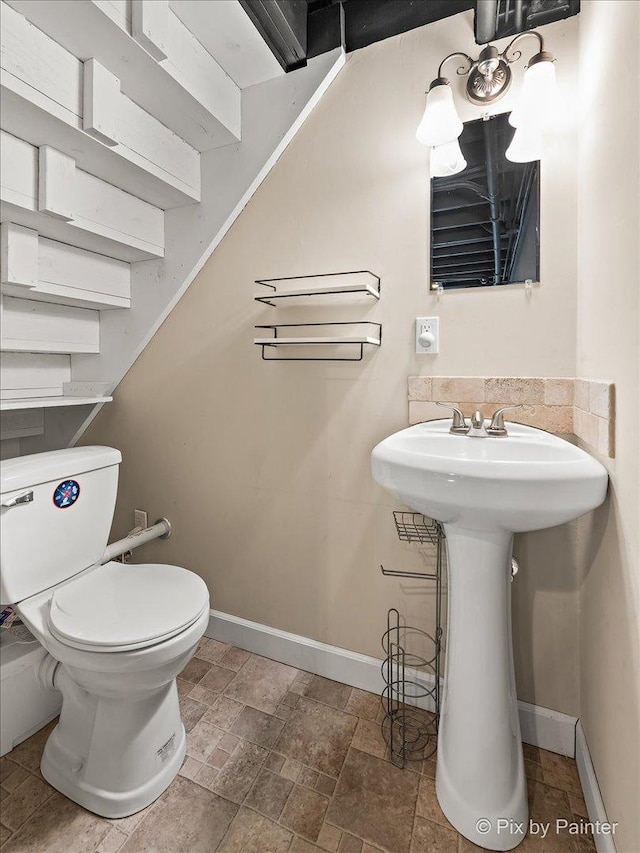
(537, 96)
(440, 122)
(447, 159)
(526, 145)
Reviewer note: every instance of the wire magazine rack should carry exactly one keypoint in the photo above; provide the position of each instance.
(411, 668)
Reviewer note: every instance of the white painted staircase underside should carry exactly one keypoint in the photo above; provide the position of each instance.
(124, 163)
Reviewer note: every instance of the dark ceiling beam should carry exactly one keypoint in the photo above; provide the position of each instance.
(325, 29)
(368, 21)
(283, 26)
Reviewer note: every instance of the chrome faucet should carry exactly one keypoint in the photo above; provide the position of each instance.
(496, 428)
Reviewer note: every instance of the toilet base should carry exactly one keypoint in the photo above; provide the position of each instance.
(114, 753)
(109, 804)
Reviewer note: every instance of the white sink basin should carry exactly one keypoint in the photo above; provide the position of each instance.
(484, 489)
(527, 480)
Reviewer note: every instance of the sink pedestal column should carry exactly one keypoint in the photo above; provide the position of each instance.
(480, 781)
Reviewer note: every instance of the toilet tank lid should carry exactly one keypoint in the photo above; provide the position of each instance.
(25, 471)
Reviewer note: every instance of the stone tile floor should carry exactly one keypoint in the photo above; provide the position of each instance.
(277, 760)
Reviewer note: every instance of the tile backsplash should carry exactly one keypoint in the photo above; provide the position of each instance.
(565, 405)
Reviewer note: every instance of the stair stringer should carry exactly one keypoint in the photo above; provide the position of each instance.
(272, 114)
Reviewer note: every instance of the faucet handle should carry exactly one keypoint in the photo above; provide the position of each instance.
(497, 427)
(458, 425)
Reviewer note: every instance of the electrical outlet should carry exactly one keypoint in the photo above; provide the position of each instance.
(140, 519)
(428, 335)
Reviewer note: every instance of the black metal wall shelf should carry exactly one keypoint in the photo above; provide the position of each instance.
(357, 341)
(324, 284)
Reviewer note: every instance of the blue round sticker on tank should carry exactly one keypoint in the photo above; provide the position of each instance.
(66, 494)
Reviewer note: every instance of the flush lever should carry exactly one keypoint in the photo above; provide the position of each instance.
(24, 498)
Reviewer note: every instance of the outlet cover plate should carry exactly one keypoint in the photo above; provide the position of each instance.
(432, 325)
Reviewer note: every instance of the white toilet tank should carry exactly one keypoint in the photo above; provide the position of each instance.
(57, 510)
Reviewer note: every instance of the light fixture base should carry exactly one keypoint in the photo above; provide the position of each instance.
(489, 78)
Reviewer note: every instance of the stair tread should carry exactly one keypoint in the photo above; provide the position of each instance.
(50, 402)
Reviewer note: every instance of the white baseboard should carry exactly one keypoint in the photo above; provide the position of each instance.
(540, 727)
(595, 806)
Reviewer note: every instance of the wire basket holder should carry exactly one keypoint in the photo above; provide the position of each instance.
(412, 665)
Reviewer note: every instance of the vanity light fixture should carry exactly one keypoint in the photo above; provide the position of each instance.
(489, 78)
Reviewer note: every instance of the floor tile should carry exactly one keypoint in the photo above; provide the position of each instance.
(129, 823)
(195, 670)
(368, 738)
(212, 650)
(375, 801)
(203, 739)
(234, 658)
(546, 805)
(560, 771)
(531, 753)
(223, 711)
(16, 777)
(290, 699)
(427, 805)
(190, 768)
(308, 777)
(261, 683)
(269, 794)
(251, 832)
(183, 687)
(7, 766)
(363, 704)
(23, 801)
(113, 841)
(350, 844)
(218, 758)
(577, 805)
(274, 762)
(188, 817)
(291, 769)
(429, 837)
(329, 838)
(325, 784)
(228, 742)
(299, 845)
(217, 678)
(207, 776)
(5, 834)
(236, 777)
(59, 826)
(29, 752)
(533, 770)
(466, 846)
(191, 712)
(317, 735)
(304, 812)
(283, 712)
(258, 727)
(328, 692)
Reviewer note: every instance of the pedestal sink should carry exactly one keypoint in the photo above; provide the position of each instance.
(484, 489)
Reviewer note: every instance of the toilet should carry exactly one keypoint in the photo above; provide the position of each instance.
(116, 635)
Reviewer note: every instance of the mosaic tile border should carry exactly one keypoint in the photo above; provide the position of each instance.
(558, 404)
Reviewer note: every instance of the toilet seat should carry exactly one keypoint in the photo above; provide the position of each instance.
(118, 607)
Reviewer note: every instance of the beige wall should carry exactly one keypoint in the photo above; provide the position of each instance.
(263, 469)
(608, 335)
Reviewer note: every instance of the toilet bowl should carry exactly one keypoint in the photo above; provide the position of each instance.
(116, 635)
